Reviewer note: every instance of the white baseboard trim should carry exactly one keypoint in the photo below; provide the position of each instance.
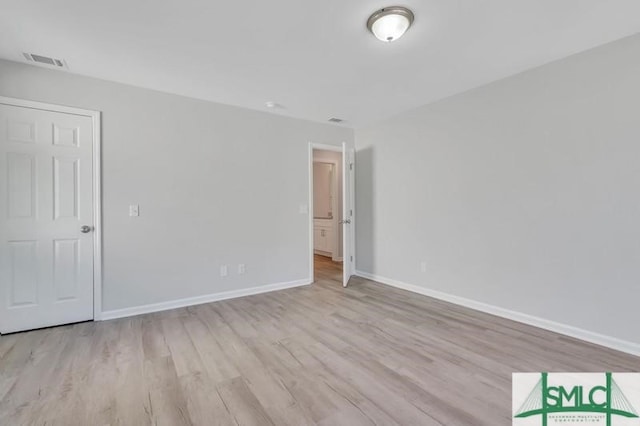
(198, 300)
(568, 330)
(337, 259)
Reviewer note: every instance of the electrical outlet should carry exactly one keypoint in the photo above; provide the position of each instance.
(241, 269)
(423, 266)
(223, 271)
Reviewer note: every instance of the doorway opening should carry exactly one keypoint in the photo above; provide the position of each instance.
(327, 216)
(331, 213)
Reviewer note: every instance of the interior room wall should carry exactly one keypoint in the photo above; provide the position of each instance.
(199, 171)
(523, 194)
(335, 158)
(323, 188)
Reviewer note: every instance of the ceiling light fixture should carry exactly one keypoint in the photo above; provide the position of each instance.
(390, 23)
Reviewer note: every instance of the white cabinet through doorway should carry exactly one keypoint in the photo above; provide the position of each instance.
(323, 237)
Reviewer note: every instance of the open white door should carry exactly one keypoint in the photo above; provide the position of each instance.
(348, 197)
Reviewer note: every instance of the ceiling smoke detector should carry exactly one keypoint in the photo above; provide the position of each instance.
(58, 63)
(390, 23)
(273, 105)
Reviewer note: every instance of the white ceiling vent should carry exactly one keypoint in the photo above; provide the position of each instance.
(58, 63)
(335, 120)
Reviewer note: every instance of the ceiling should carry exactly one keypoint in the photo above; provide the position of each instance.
(315, 58)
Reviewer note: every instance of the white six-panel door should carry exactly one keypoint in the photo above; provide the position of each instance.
(348, 206)
(46, 196)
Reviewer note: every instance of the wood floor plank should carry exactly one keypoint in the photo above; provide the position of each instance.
(203, 401)
(322, 354)
(242, 403)
(183, 352)
(166, 401)
(219, 367)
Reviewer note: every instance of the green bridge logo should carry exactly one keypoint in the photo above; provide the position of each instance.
(605, 400)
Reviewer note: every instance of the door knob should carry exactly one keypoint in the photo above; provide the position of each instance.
(85, 229)
(345, 221)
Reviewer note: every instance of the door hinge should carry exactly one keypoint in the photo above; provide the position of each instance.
(350, 212)
(350, 166)
(351, 258)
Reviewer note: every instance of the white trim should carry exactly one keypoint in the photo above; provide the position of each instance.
(97, 216)
(198, 300)
(323, 147)
(97, 185)
(568, 330)
(337, 259)
(47, 107)
(312, 277)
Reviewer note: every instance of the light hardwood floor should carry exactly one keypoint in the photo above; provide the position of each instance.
(320, 354)
(327, 272)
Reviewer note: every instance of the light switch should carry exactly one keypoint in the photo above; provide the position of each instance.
(134, 210)
(241, 269)
(223, 270)
(303, 209)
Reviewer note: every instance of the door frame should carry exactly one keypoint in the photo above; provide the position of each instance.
(323, 147)
(97, 186)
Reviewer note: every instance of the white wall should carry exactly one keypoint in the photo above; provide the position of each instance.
(198, 171)
(323, 188)
(524, 194)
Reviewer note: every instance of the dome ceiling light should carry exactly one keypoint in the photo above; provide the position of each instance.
(390, 23)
